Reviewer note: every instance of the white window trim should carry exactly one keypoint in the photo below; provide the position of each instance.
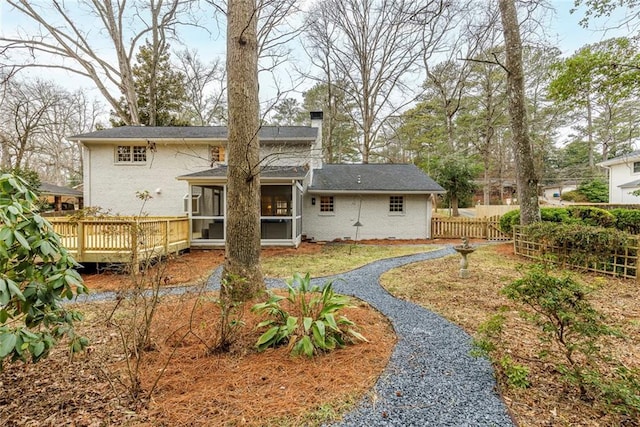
(131, 160)
(195, 197)
(398, 213)
(333, 206)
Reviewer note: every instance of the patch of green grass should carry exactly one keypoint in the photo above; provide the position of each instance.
(336, 258)
(323, 414)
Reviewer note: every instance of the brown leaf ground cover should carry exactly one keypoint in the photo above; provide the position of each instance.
(195, 386)
(469, 302)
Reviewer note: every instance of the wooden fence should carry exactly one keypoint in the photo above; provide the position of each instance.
(621, 263)
(122, 239)
(473, 228)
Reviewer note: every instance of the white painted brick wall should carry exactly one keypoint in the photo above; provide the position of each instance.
(113, 186)
(378, 222)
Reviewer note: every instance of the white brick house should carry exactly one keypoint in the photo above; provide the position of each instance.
(184, 170)
(624, 178)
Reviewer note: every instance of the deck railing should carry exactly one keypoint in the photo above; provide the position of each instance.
(473, 228)
(121, 239)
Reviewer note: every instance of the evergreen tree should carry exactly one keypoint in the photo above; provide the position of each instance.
(168, 93)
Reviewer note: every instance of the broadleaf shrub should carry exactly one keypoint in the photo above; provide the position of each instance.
(307, 319)
(590, 215)
(36, 274)
(622, 219)
(627, 220)
(576, 332)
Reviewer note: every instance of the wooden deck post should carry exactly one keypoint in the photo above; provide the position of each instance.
(80, 241)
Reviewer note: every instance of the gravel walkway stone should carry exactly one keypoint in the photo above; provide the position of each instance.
(431, 380)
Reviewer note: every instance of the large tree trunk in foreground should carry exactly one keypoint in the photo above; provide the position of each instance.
(242, 271)
(525, 170)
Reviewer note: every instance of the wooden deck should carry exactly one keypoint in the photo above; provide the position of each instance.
(122, 239)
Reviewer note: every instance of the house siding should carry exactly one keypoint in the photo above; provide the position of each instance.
(377, 222)
(619, 174)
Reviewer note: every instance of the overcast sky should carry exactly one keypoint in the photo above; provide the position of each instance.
(563, 31)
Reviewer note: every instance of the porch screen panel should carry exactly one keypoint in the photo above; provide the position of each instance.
(208, 221)
(276, 208)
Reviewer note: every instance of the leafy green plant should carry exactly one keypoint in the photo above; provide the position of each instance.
(230, 322)
(488, 335)
(590, 215)
(574, 196)
(311, 323)
(36, 274)
(567, 320)
(627, 220)
(596, 191)
(517, 375)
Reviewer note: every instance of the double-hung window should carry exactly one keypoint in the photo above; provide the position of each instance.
(636, 167)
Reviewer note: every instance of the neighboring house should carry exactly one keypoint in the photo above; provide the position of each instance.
(184, 170)
(555, 191)
(624, 178)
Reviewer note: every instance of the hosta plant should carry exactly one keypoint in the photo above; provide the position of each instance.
(308, 319)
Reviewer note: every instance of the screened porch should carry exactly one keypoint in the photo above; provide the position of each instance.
(280, 214)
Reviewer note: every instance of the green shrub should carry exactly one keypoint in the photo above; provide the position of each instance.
(566, 318)
(574, 196)
(593, 216)
(488, 336)
(319, 329)
(555, 215)
(627, 220)
(508, 220)
(595, 191)
(36, 274)
(575, 330)
(517, 375)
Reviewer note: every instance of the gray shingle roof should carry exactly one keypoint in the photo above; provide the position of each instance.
(56, 190)
(373, 178)
(633, 156)
(195, 132)
(295, 172)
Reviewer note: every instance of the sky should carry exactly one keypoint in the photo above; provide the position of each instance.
(563, 30)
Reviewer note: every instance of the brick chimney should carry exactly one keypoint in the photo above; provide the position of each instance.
(316, 148)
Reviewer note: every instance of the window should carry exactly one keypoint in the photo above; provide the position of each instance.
(636, 167)
(195, 203)
(217, 154)
(131, 154)
(276, 200)
(396, 204)
(326, 203)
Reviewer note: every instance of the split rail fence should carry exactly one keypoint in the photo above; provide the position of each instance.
(621, 263)
(122, 239)
(474, 228)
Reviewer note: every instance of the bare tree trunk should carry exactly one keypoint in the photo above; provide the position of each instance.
(525, 170)
(242, 265)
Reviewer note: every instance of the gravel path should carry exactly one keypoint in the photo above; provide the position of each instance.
(431, 380)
